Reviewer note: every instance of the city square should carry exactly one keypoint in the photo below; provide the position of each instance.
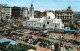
(32, 29)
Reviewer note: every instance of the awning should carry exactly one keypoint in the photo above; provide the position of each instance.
(68, 30)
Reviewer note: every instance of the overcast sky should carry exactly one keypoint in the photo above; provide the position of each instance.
(44, 4)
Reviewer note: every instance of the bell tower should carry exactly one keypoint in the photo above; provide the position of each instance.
(31, 10)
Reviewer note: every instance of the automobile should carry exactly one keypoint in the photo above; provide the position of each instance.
(26, 40)
(15, 26)
(20, 38)
(35, 33)
(29, 41)
(53, 37)
(20, 35)
(14, 37)
(63, 39)
(48, 36)
(17, 36)
(75, 42)
(36, 38)
(71, 41)
(78, 43)
(48, 42)
(39, 39)
(58, 38)
(13, 34)
(66, 40)
(32, 41)
(44, 35)
(70, 46)
(41, 43)
(44, 45)
(66, 46)
(5, 34)
(52, 47)
(5, 29)
(48, 46)
(30, 32)
(35, 42)
(61, 48)
(18, 30)
(25, 32)
(22, 31)
(69, 49)
(52, 43)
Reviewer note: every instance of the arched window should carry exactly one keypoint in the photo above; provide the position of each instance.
(47, 22)
(49, 17)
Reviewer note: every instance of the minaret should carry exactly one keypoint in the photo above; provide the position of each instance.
(31, 11)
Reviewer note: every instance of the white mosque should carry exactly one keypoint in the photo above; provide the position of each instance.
(48, 22)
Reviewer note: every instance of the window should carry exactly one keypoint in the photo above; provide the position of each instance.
(70, 17)
(40, 24)
(63, 17)
(58, 13)
(58, 17)
(29, 24)
(47, 22)
(70, 22)
(44, 25)
(49, 17)
(7, 17)
(61, 13)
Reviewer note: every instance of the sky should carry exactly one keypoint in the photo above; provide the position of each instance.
(45, 4)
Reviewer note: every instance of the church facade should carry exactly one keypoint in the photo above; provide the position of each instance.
(47, 22)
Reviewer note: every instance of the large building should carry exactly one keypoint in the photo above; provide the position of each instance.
(31, 11)
(0, 12)
(48, 22)
(37, 14)
(6, 10)
(76, 19)
(76, 16)
(24, 12)
(65, 15)
(15, 12)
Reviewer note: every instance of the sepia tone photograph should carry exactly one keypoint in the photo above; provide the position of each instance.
(39, 25)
